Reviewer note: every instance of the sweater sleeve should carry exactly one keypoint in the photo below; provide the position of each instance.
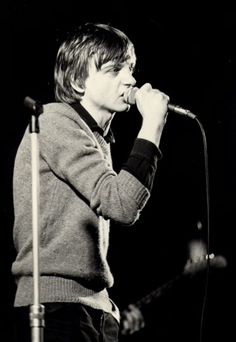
(74, 157)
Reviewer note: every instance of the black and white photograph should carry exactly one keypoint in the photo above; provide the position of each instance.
(118, 172)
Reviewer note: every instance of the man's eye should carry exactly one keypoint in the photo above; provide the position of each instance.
(132, 69)
(116, 69)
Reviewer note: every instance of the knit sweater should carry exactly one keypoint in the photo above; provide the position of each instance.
(79, 194)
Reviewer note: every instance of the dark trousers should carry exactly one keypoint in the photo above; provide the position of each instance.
(69, 323)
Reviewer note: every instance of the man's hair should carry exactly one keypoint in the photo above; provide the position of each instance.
(101, 42)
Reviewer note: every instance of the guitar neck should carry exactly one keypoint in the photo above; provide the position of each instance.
(190, 269)
(160, 291)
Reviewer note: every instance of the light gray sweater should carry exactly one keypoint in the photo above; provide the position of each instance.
(79, 193)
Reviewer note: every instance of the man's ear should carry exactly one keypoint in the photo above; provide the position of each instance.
(79, 89)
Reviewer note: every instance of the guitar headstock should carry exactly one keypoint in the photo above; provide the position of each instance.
(193, 267)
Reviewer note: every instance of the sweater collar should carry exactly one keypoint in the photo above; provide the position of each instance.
(84, 114)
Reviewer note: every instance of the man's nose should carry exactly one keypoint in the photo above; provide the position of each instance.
(129, 79)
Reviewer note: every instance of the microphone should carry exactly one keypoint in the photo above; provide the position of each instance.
(33, 105)
(37, 108)
(130, 99)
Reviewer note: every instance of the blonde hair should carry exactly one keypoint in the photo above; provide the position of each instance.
(102, 42)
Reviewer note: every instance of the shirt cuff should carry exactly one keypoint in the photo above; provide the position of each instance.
(142, 162)
(146, 149)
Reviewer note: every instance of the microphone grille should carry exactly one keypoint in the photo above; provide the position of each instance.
(129, 96)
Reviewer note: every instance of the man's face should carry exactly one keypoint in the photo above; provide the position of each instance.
(104, 89)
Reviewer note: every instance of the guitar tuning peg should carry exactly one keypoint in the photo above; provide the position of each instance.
(210, 256)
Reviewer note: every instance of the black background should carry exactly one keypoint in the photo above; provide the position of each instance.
(189, 54)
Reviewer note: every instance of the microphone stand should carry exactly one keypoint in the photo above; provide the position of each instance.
(37, 310)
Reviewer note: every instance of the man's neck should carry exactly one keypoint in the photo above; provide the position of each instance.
(103, 118)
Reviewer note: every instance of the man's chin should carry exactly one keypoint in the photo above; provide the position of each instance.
(122, 108)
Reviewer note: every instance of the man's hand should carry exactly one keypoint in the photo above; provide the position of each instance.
(131, 320)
